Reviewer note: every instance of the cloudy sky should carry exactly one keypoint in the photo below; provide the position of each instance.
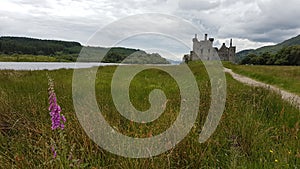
(251, 23)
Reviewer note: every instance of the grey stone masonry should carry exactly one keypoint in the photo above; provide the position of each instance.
(204, 50)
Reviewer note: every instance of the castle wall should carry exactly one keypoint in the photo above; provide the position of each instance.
(204, 50)
(223, 52)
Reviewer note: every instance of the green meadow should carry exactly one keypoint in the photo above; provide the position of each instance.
(284, 77)
(33, 58)
(257, 130)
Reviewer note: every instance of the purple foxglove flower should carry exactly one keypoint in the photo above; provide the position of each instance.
(57, 119)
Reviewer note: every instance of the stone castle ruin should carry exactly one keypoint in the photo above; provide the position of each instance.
(204, 50)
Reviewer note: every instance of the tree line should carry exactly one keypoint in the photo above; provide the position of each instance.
(286, 56)
(69, 51)
(22, 45)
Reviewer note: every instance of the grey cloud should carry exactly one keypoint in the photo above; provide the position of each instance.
(275, 21)
(256, 20)
(34, 3)
(156, 41)
(78, 29)
(148, 23)
(198, 4)
(228, 3)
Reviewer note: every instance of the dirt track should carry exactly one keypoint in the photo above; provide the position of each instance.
(292, 98)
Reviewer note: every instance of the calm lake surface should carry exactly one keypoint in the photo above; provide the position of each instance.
(48, 65)
(57, 65)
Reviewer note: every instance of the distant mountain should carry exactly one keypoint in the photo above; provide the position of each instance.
(63, 50)
(271, 49)
(174, 62)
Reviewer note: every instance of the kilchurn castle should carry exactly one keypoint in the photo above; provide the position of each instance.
(204, 50)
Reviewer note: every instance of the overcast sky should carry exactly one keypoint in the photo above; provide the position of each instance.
(250, 23)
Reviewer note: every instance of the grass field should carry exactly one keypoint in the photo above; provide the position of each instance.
(31, 58)
(284, 77)
(257, 129)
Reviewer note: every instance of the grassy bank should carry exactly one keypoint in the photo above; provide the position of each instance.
(284, 77)
(257, 129)
(33, 58)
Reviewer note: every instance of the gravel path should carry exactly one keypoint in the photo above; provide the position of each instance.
(292, 98)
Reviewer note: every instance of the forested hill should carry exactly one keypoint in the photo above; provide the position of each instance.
(285, 53)
(22, 47)
(273, 49)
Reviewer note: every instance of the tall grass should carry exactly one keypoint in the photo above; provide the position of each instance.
(32, 58)
(285, 77)
(257, 129)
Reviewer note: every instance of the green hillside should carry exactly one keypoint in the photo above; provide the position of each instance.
(30, 49)
(271, 49)
(23, 45)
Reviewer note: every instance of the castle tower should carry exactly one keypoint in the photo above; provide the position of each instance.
(195, 39)
(231, 52)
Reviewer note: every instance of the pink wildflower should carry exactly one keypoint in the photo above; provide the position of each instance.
(57, 119)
